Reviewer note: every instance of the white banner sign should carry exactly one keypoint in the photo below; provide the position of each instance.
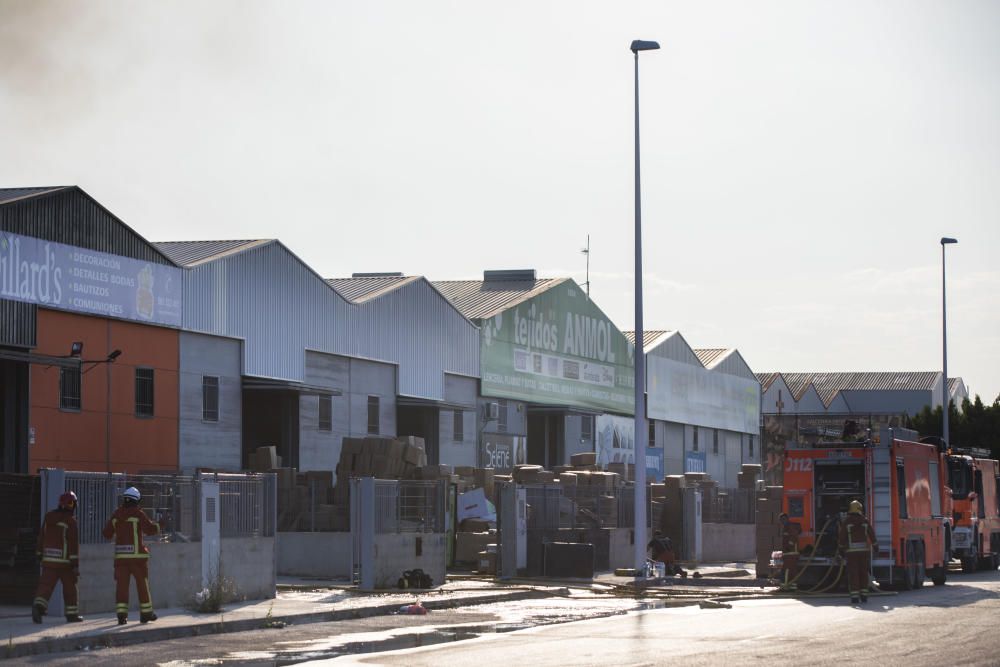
(686, 394)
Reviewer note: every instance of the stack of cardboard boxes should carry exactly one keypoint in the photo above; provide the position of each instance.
(382, 457)
(768, 528)
(748, 476)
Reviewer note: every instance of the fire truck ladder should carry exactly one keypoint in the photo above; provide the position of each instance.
(882, 495)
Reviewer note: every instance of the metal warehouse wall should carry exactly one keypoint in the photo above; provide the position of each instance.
(18, 323)
(417, 328)
(203, 443)
(276, 304)
(70, 216)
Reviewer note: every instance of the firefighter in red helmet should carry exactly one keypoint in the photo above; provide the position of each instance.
(59, 549)
(857, 540)
(127, 526)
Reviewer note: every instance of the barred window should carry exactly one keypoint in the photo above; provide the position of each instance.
(694, 447)
(715, 441)
(69, 388)
(325, 413)
(373, 415)
(458, 432)
(210, 398)
(751, 446)
(587, 427)
(652, 433)
(144, 392)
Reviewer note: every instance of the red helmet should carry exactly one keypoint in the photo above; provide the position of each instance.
(68, 500)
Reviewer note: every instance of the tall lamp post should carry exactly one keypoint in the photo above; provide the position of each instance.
(944, 348)
(640, 357)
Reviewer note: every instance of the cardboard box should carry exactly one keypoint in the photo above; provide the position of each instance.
(468, 546)
(583, 459)
(474, 526)
(265, 459)
(414, 455)
(568, 479)
(526, 473)
(319, 478)
(487, 563)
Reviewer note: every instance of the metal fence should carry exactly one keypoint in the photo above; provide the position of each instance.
(551, 507)
(729, 505)
(409, 506)
(174, 501)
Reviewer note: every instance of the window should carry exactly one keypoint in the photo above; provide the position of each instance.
(209, 398)
(652, 433)
(901, 490)
(144, 392)
(458, 430)
(373, 411)
(751, 446)
(325, 413)
(69, 388)
(586, 428)
(502, 415)
(694, 447)
(715, 441)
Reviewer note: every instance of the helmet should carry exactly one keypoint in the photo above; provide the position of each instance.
(855, 507)
(132, 493)
(68, 500)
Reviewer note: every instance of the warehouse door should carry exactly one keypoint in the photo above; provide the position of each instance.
(271, 418)
(13, 416)
(20, 498)
(423, 422)
(545, 433)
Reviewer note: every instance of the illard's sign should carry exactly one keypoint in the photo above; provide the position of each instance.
(557, 348)
(86, 281)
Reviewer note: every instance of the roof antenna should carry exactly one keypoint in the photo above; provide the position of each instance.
(586, 251)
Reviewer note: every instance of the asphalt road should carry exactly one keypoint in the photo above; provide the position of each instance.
(953, 625)
(950, 625)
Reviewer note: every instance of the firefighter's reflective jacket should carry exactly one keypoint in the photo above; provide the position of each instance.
(59, 541)
(127, 526)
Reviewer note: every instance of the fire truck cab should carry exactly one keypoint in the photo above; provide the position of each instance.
(976, 514)
(902, 485)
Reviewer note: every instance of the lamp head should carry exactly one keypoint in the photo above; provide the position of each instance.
(642, 45)
(945, 240)
(114, 355)
(76, 348)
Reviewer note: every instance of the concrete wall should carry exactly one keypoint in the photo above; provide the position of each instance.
(250, 563)
(174, 577)
(673, 447)
(175, 573)
(203, 443)
(574, 442)
(517, 417)
(727, 542)
(621, 548)
(397, 552)
(321, 555)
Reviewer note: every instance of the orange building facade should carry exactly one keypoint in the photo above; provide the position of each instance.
(118, 416)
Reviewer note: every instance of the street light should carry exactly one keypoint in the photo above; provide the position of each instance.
(944, 348)
(640, 358)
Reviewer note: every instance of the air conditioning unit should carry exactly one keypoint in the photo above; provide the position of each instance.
(493, 411)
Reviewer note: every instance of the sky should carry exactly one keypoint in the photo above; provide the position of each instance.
(800, 159)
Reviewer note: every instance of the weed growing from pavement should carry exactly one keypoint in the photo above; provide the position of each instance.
(210, 599)
(270, 621)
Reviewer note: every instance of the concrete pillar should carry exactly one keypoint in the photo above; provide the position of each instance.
(691, 519)
(211, 539)
(363, 531)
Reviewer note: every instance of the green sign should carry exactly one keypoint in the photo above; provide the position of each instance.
(557, 348)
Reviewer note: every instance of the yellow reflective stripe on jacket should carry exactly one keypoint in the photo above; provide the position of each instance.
(135, 551)
(54, 554)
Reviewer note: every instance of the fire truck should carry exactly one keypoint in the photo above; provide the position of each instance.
(902, 484)
(975, 538)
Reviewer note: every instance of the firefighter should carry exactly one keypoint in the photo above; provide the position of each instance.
(790, 532)
(127, 526)
(857, 539)
(661, 549)
(59, 549)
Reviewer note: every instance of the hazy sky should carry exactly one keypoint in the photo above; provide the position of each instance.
(801, 159)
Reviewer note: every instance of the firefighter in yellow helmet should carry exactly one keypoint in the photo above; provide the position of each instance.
(857, 539)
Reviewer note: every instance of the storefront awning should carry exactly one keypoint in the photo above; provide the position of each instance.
(270, 384)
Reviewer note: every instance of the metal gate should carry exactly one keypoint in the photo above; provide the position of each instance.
(20, 498)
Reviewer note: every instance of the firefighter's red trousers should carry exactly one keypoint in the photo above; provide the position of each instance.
(857, 572)
(47, 583)
(125, 569)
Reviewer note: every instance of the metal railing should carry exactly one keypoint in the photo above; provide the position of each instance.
(409, 506)
(729, 505)
(174, 501)
(551, 507)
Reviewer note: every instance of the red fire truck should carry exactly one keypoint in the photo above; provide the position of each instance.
(975, 538)
(902, 485)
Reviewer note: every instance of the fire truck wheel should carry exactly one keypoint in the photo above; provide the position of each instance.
(910, 574)
(939, 575)
(968, 564)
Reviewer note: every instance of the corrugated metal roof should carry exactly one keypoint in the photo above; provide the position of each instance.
(191, 253)
(767, 379)
(14, 194)
(363, 288)
(829, 384)
(478, 299)
(649, 338)
(709, 356)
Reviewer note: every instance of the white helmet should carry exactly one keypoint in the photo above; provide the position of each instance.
(132, 493)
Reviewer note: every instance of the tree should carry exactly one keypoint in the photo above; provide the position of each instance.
(976, 425)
